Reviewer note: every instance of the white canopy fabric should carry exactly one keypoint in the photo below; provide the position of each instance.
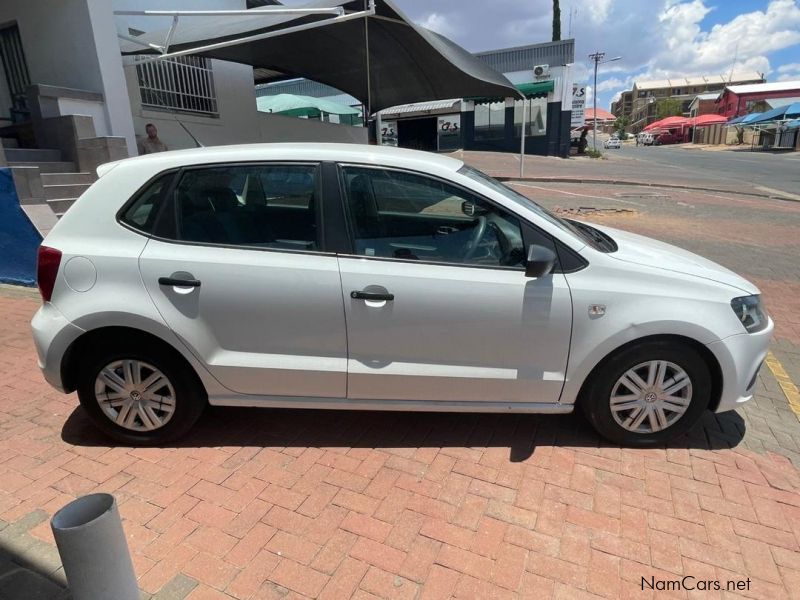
(404, 62)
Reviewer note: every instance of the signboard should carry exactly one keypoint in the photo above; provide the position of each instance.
(389, 133)
(448, 132)
(578, 104)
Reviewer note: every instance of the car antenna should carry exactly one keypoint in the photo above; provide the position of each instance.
(186, 129)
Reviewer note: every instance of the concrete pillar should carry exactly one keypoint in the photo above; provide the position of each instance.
(115, 90)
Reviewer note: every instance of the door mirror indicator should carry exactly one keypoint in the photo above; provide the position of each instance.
(540, 261)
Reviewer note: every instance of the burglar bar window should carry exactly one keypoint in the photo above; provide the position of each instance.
(183, 83)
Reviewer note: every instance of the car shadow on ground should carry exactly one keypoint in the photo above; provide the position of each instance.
(521, 434)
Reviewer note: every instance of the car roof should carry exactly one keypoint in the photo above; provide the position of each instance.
(358, 153)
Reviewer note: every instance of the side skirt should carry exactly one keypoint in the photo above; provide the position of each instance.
(396, 405)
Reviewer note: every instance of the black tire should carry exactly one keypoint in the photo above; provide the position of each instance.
(190, 396)
(596, 395)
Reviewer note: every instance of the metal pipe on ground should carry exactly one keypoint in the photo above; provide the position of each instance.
(91, 542)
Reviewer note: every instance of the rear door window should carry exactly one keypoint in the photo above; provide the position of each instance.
(265, 206)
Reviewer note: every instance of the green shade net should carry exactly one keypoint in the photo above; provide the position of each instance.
(294, 105)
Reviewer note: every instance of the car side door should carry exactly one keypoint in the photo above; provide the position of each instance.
(237, 270)
(437, 304)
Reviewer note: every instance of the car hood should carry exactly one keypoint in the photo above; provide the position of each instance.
(642, 250)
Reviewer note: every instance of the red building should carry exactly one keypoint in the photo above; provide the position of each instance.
(737, 100)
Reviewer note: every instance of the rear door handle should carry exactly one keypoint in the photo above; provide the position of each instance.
(177, 282)
(376, 296)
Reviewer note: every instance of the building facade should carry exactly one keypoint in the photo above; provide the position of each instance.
(738, 100)
(703, 104)
(645, 95)
(480, 123)
(622, 108)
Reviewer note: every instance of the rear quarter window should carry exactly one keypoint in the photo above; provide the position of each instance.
(141, 211)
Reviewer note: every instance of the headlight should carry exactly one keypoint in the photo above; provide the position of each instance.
(750, 312)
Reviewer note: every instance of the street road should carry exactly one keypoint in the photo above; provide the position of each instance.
(774, 171)
(733, 171)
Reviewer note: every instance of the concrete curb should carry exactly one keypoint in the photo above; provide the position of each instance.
(642, 184)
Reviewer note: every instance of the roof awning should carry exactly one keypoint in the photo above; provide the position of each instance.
(529, 90)
(538, 89)
(437, 106)
(406, 62)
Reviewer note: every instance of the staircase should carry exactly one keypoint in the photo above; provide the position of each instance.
(61, 182)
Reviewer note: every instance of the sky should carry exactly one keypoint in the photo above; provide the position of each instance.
(655, 38)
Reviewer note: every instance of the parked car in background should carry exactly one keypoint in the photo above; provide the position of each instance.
(646, 139)
(613, 142)
(668, 137)
(360, 277)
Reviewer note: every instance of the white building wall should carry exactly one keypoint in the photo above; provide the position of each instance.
(72, 43)
(237, 121)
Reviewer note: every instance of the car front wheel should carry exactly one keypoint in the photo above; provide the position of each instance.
(140, 396)
(648, 394)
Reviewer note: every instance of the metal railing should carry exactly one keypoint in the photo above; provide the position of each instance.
(184, 83)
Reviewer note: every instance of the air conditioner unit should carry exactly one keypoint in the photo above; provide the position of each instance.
(541, 71)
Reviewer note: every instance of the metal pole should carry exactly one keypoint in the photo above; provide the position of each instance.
(597, 57)
(262, 36)
(368, 111)
(255, 12)
(522, 140)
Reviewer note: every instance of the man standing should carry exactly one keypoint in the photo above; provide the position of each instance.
(151, 143)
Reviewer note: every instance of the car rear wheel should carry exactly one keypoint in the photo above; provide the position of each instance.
(648, 394)
(140, 396)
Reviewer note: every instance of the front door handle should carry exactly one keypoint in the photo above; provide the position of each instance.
(376, 296)
(179, 282)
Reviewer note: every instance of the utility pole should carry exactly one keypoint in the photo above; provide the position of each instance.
(597, 58)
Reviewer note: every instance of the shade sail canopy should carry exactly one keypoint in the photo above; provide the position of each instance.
(795, 124)
(701, 120)
(407, 63)
(667, 123)
(744, 119)
(295, 105)
(778, 114)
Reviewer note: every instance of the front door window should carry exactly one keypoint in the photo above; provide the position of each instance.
(401, 215)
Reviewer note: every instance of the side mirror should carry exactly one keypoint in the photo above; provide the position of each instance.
(540, 261)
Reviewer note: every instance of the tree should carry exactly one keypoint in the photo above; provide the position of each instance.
(619, 126)
(556, 21)
(668, 107)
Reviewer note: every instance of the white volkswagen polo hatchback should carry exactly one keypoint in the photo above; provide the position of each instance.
(358, 277)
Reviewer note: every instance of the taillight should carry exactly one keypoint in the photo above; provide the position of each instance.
(47, 264)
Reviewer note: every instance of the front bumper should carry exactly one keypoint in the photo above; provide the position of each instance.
(740, 357)
(52, 335)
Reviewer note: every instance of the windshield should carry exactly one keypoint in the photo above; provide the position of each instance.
(526, 202)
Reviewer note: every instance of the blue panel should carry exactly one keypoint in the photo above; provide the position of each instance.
(19, 239)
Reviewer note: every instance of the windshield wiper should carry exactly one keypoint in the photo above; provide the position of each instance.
(604, 242)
